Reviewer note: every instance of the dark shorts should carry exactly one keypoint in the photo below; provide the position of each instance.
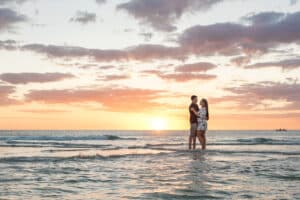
(193, 130)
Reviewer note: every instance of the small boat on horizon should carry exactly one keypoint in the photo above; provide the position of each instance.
(281, 130)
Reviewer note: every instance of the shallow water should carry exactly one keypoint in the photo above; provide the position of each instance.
(148, 165)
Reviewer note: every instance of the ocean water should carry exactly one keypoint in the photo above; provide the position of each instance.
(148, 165)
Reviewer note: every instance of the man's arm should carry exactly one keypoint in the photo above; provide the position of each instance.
(194, 111)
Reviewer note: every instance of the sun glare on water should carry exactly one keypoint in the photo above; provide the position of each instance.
(158, 124)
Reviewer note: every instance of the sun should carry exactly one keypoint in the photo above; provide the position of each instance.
(158, 124)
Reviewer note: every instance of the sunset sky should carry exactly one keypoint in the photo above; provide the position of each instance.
(129, 64)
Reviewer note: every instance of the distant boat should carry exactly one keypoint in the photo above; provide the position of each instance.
(281, 130)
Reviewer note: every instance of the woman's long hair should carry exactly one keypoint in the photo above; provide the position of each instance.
(206, 106)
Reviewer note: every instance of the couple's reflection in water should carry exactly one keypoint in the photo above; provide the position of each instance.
(198, 155)
(199, 174)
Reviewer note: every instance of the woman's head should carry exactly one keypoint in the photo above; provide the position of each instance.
(204, 104)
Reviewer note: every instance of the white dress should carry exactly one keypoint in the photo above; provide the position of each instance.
(202, 121)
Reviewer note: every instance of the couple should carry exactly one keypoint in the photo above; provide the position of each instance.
(198, 121)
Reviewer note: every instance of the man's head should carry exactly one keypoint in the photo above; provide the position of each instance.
(194, 99)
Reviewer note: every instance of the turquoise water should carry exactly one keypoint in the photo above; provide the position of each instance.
(148, 165)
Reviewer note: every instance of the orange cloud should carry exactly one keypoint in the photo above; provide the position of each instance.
(113, 99)
(181, 76)
(5, 92)
(250, 96)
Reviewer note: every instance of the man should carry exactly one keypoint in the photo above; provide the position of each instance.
(193, 109)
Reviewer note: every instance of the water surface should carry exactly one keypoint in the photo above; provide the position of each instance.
(148, 165)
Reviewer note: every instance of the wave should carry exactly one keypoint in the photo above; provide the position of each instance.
(227, 151)
(292, 177)
(252, 144)
(65, 138)
(73, 158)
(149, 146)
(164, 144)
(160, 151)
(14, 143)
(260, 140)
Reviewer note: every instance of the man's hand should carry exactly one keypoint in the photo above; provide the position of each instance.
(195, 112)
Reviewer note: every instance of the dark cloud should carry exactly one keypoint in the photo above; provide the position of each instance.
(55, 51)
(151, 51)
(84, 17)
(100, 2)
(217, 39)
(113, 99)
(287, 64)
(140, 52)
(232, 39)
(8, 45)
(161, 14)
(264, 18)
(25, 78)
(195, 67)
(8, 18)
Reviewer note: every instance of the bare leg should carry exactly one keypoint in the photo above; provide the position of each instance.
(190, 142)
(204, 138)
(200, 138)
(194, 142)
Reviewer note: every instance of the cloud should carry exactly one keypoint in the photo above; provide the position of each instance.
(3, 2)
(264, 18)
(100, 2)
(9, 17)
(147, 36)
(184, 77)
(241, 60)
(84, 17)
(251, 96)
(43, 111)
(113, 77)
(287, 64)
(195, 67)
(152, 51)
(233, 39)
(8, 45)
(226, 39)
(113, 99)
(162, 14)
(25, 78)
(293, 2)
(55, 51)
(140, 52)
(5, 92)
(181, 76)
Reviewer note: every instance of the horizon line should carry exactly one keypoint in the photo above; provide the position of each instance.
(142, 130)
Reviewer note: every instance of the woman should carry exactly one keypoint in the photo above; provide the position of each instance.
(203, 116)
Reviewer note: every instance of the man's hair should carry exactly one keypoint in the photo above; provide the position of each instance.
(193, 97)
